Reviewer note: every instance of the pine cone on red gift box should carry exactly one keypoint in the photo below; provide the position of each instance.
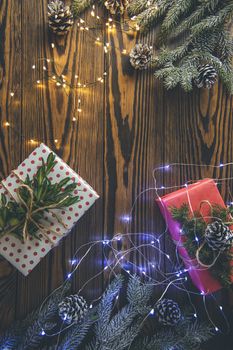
(216, 271)
(218, 236)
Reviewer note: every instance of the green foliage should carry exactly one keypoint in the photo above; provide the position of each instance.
(200, 31)
(46, 196)
(106, 326)
(26, 334)
(78, 6)
(185, 336)
(193, 229)
(75, 336)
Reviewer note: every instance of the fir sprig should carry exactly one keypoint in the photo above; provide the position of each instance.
(26, 334)
(193, 227)
(36, 196)
(199, 33)
(78, 6)
(107, 326)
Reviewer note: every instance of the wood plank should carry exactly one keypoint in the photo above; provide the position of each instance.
(47, 115)
(10, 142)
(134, 132)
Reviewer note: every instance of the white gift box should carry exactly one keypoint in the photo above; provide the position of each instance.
(25, 256)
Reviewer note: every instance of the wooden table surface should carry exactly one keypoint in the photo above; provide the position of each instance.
(128, 125)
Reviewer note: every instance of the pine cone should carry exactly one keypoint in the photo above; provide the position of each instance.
(218, 236)
(140, 56)
(207, 76)
(168, 312)
(60, 17)
(72, 309)
(116, 6)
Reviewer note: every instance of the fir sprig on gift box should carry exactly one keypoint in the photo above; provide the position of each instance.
(193, 228)
(36, 197)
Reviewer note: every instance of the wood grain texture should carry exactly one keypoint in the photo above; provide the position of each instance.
(128, 126)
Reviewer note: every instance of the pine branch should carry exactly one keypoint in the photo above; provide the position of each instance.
(211, 22)
(175, 13)
(151, 16)
(79, 6)
(13, 337)
(204, 40)
(105, 307)
(183, 337)
(127, 337)
(137, 6)
(138, 294)
(195, 17)
(33, 337)
(76, 334)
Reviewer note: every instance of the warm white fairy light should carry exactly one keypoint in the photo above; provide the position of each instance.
(152, 243)
(33, 66)
(7, 124)
(12, 94)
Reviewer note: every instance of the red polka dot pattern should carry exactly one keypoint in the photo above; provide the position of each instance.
(25, 256)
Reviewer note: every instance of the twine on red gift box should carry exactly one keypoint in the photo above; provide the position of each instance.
(200, 262)
(202, 245)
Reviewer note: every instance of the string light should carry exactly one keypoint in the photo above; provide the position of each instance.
(126, 218)
(7, 124)
(152, 311)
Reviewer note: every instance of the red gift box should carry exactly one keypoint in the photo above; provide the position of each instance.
(193, 195)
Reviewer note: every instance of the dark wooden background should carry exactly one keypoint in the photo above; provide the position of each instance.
(128, 125)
